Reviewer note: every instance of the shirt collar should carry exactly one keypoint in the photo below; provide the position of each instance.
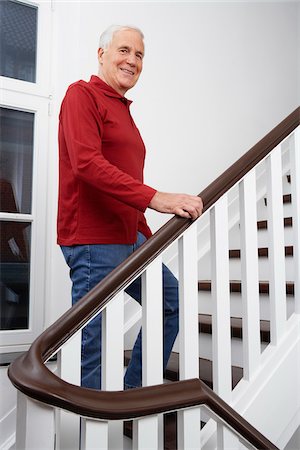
(108, 90)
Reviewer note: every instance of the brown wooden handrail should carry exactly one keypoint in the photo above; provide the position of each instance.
(29, 374)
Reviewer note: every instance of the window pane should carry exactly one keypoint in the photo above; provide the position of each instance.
(14, 274)
(16, 155)
(18, 37)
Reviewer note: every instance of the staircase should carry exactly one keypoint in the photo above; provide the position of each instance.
(205, 320)
(238, 270)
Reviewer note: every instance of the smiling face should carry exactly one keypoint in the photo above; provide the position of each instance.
(120, 65)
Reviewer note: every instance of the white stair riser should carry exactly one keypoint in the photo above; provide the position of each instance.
(286, 188)
(205, 305)
(263, 269)
(262, 237)
(204, 271)
(205, 349)
(262, 209)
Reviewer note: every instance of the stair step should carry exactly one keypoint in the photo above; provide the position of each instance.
(262, 252)
(236, 323)
(236, 286)
(205, 369)
(286, 198)
(263, 224)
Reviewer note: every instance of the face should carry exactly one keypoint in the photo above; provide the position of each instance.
(120, 65)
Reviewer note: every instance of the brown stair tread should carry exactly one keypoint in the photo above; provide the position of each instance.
(286, 198)
(205, 326)
(205, 369)
(263, 252)
(263, 224)
(236, 286)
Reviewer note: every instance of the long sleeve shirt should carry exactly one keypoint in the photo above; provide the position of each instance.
(102, 195)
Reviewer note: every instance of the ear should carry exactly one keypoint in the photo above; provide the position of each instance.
(100, 55)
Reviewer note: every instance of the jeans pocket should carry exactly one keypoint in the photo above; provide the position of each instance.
(68, 253)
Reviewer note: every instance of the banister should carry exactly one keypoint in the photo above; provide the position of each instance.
(29, 374)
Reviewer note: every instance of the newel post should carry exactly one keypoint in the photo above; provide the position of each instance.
(35, 424)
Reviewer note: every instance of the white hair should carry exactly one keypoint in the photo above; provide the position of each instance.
(107, 35)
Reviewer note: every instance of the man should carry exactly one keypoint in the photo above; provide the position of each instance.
(102, 195)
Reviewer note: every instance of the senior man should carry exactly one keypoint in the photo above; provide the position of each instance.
(102, 195)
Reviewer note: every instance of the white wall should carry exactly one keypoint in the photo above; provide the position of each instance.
(217, 77)
(7, 410)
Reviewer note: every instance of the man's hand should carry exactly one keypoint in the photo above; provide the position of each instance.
(183, 205)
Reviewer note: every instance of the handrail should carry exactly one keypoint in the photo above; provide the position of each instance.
(29, 374)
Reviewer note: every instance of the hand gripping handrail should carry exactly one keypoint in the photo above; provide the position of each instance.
(29, 374)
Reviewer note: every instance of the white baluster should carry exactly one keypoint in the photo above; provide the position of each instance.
(113, 359)
(67, 425)
(94, 435)
(188, 305)
(152, 338)
(68, 368)
(295, 184)
(226, 439)
(249, 270)
(189, 427)
(244, 444)
(35, 424)
(221, 339)
(113, 344)
(188, 420)
(69, 360)
(145, 436)
(277, 289)
(152, 324)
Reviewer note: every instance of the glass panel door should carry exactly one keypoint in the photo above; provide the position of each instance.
(25, 113)
(16, 157)
(14, 274)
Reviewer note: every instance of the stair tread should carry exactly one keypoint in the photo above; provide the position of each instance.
(263, 252)
(205, 326)
(263, 224)
(205, 369)
(286, 198)
(236, 286)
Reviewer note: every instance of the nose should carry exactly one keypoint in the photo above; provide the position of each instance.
(131, 59)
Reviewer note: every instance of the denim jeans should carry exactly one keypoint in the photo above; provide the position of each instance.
(89, 264)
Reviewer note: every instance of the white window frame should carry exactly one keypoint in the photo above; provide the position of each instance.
(35, 98)
(43, 54)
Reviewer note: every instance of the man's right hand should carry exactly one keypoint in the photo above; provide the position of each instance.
(183, 205)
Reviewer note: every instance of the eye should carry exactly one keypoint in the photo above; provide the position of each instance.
(139, 56)
(123, 50)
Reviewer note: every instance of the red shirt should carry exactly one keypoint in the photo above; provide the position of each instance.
(101, 160)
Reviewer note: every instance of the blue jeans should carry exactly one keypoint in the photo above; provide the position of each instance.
(89, 264)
